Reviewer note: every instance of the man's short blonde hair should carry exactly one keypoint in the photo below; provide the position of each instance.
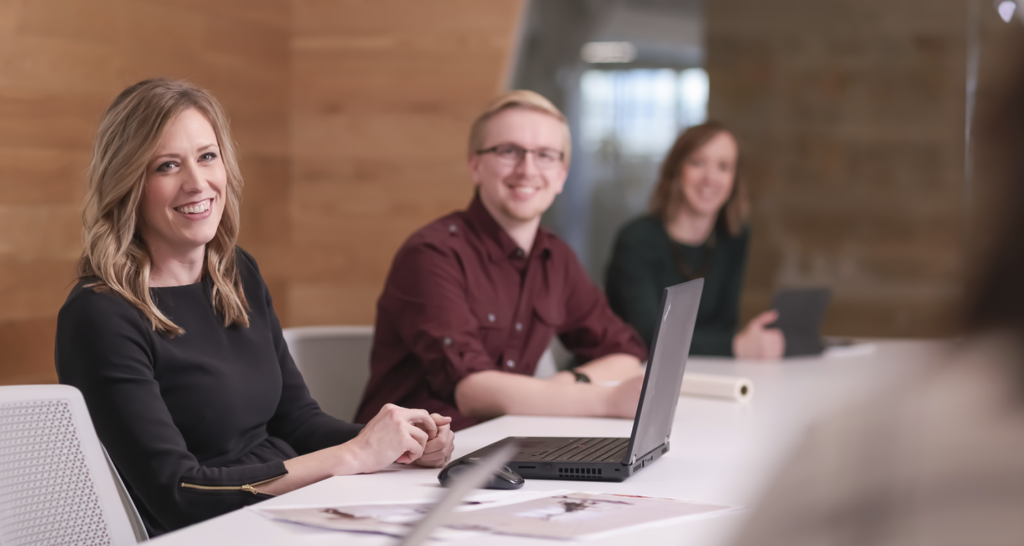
(519, 98)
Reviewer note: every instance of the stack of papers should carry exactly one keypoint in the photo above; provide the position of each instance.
(563, 515)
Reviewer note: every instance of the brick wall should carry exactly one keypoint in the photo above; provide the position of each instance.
(851, 118)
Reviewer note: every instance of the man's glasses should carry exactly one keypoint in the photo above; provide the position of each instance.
(511, 154)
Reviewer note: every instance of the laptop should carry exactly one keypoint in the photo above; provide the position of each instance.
(801, 312)
(615, 459)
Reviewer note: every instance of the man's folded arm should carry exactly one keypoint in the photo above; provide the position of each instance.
(493, 393)
(426, 298)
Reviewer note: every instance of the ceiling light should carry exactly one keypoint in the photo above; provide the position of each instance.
(608, 52)
(1006, 9)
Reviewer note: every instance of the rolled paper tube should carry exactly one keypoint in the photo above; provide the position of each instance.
(738, 389)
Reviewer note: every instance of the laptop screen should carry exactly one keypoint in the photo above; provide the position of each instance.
(669, 349)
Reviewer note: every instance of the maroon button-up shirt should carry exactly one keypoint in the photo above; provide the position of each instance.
(462, 297)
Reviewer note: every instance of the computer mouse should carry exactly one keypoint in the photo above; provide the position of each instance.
(504, 478)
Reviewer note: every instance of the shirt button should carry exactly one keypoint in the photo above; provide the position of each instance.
(452, 228)
(447, 341)
(510, 364)
(519, 326)
(490, 317)
(520, 253)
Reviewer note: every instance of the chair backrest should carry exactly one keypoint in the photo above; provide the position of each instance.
(335, 362)
(55, 485)
(556, 358)
(138, 527)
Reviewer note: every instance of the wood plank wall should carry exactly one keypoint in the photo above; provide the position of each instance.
(851, 115)
(382, 96)
(61, 63)
(350, 116)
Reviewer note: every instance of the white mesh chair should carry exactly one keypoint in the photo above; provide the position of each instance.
(56, 487)
(335, 362)
(134, 518)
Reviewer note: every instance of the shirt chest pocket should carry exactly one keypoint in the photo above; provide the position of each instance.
(494, 329)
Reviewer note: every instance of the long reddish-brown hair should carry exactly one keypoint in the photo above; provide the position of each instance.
(668, 193)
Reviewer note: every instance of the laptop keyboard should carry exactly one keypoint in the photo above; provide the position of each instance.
(589, 449)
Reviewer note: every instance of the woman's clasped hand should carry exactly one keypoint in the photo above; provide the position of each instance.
(401, 435)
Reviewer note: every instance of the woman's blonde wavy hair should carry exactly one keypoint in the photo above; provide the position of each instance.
(114, 255)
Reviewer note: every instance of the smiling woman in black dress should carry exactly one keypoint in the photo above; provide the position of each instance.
(172, 338)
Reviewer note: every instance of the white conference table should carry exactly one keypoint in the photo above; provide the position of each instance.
(721, 452)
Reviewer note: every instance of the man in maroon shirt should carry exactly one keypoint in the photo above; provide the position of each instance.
(473, 299)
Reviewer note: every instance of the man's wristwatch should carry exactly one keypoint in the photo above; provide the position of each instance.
(580, 377)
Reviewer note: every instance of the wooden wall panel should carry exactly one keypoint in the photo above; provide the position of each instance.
(351, 117)
(851, 115)
(61, 63)
(382, 97)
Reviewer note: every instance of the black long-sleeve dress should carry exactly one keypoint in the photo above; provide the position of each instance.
(191, 422)
(645, 260)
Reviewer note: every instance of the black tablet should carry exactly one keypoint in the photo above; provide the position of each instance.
(801, 311)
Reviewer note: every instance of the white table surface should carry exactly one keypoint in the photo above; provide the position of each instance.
(723, 452)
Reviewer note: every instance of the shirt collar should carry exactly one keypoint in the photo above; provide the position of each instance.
(503, 245)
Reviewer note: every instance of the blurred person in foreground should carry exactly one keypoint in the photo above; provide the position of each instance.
(172, 337)
(474, 298)
(697, 227)
(939, 459)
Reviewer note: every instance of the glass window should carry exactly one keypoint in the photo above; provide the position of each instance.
(639, 112)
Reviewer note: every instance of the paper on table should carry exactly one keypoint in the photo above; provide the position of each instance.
(579, 515)
(559, 514)
(739, 389)
(388, 518)
(853, 349)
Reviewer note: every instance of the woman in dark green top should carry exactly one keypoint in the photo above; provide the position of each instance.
(697, 227)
